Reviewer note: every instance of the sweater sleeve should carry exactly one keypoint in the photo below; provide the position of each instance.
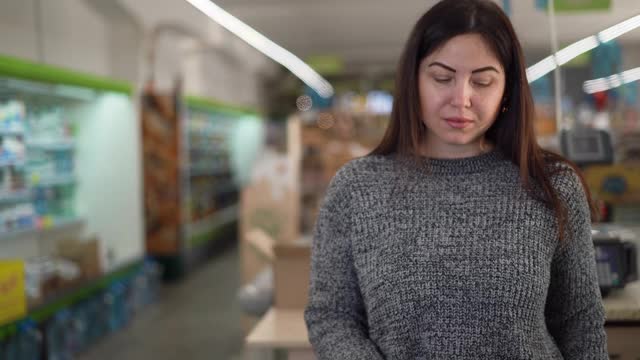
(335, 314)
(574, 312)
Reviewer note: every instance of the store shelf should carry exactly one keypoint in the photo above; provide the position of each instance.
(226, 189)
(57, 180)
(57, 225)
(52, 145)
(15, 197)
(196, 171)
(7, 163)
(217, 219)
(5, 132)
(71, 296)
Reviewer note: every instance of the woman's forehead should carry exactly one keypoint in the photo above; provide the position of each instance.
(466, 52)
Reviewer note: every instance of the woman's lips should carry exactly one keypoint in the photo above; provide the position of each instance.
(458, 123)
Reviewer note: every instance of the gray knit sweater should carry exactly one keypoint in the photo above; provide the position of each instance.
(451, 260)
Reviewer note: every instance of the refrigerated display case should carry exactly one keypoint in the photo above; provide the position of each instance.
(69, 162)
(188, 147)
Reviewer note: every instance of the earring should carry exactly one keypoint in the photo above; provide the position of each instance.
(504, 109)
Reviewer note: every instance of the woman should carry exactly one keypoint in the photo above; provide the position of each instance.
(458, 237)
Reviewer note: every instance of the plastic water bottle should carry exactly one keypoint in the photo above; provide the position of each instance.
(118, 314)
(59, 336)
(29, 341)
(9, 348)
(153, 275)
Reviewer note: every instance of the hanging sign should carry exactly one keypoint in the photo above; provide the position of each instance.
(575, 5)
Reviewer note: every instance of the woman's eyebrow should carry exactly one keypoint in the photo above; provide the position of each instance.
(482, 69)
(486, 68)
(435, 63)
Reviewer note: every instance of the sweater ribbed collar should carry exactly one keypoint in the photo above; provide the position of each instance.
(466, 165)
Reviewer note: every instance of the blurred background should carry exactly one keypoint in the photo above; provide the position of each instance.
(162, 162)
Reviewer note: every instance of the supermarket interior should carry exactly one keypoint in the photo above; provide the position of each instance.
(163, 162)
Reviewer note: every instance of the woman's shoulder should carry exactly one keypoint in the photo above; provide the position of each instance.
(565, 178)
(364, 167)
(361, 173)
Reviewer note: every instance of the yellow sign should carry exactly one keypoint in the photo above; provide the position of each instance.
(13, 302)
(617, 184)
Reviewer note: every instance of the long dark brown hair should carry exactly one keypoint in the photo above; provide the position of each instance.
(512, 133)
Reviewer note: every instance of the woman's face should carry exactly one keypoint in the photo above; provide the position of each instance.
(461, 87)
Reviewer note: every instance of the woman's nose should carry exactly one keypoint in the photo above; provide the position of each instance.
(461, 96)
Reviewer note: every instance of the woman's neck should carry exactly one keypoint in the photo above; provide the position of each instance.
(446, 151)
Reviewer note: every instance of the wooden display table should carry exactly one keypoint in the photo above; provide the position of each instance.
(623, 322)
(281, 334)
(624, 305)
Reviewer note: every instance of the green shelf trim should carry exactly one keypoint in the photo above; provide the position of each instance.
(205, 104)
(23, 69)
(207, 236)
(8, 330)
(45, 311)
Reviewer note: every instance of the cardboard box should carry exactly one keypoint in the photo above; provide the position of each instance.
(291, 269)
(623, 342)
(270, 203)
(86, 254)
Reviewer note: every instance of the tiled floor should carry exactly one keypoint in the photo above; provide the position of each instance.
(198, 318)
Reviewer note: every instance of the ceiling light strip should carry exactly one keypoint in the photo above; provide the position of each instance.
(546, 65)
(263, 44)
(610, 82)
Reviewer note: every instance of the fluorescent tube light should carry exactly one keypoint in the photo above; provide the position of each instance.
(579, 47)
(610, 82)
(547, 65)
(619, 29)
(261, 43)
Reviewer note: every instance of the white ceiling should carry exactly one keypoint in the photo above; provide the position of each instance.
(371, 33)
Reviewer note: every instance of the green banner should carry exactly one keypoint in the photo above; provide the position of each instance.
(206, 104)
(576, 5)
(326, 64)
(23, 69)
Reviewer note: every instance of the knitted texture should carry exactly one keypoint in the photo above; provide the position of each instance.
(451, 259)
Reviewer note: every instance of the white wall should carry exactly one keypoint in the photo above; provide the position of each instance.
(109, 38)
(17, 29)
(213, 62)
(109, 193)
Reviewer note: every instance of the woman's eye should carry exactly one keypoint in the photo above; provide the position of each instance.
(482, 83)
(442, 80)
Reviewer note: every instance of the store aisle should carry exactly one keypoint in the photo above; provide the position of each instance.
(198, 318)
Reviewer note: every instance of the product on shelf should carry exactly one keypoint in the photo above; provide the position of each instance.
(12, 181)
(211, 184)
(17, 217)
(12, 151)
(12, 115)
(49, 125)
(46, 276)
(25, 344)
(37, 182)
